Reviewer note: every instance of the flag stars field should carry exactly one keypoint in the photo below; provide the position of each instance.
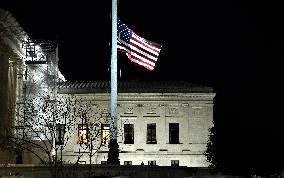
(138, 50)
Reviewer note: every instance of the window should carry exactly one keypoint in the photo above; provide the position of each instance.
(128, 134)
(60, 131)
(127, 162)
(174, 133)
(151, 133)
(105, 134)
(152, 163)
(103, 162)
(174, 162)
(82, 133)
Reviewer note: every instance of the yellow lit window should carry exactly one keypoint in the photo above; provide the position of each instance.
(105, 134)
(82, 133)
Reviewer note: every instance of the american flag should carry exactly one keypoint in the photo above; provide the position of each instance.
(138, 49)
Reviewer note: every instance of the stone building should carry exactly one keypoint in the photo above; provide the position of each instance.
(11, 56)
(28, 71)
(159, 123)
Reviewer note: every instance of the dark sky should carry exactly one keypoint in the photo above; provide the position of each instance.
(205, 42)
(233, 46)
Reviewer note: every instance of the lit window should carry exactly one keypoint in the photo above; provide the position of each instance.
(151, 133)
(174, 162)
(152, 163)
(127, 162)
(82, 133)
(128, 134)
(105, 134)
(174, 133)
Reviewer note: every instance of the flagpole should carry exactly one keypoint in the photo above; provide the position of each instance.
(113, 154)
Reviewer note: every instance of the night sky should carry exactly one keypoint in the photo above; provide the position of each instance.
(233, 46)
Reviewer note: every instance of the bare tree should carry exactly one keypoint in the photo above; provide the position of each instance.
(41, 128)
(46, 128)
(91, 134)
(91, 129)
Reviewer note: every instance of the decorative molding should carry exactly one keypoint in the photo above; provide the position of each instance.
(165, 150)
(184, 104)
(196, 107)
(129, 110)
(152, 116)
(140, 150)
(138, 97)
(127, 117)
(152, 110)
(139, 105)
(173, 110)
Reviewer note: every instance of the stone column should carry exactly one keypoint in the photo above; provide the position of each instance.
(4, 67)
(5, 155)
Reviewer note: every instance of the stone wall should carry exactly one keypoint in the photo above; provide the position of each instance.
(108, 171)
(193, 112)
(10, 53)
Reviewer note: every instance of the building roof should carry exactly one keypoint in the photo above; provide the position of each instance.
(12, 34)
(132, 87)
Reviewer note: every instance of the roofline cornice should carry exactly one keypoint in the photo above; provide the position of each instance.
(12, 33)
(147, 96)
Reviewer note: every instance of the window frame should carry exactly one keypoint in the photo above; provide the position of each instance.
(82, 127)
(174, 133)
(153, 133)
(128, 163)
(130, 132)
(152, 161)
(60, 132)
(103, 140)
(173, 162)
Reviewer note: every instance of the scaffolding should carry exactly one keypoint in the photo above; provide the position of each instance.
(41, 66)
(37, 81)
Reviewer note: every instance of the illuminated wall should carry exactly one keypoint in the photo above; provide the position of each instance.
(25, 77)
(11, 55)
(189, 115)
(162, 127)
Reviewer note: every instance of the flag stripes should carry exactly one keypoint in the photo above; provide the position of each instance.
(138, 49)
